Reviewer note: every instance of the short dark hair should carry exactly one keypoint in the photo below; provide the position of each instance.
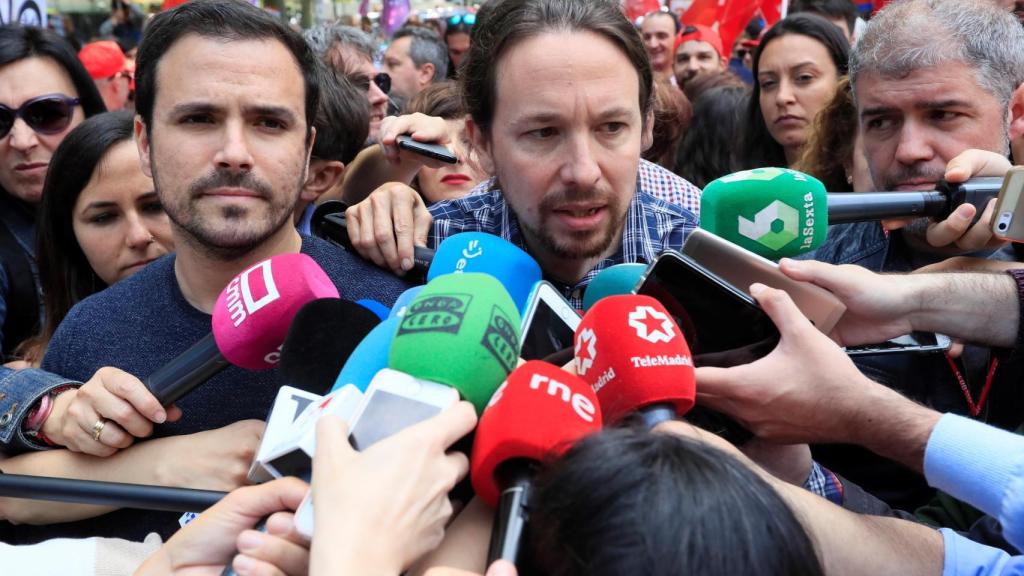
(627, 501)
(503, 23)
(64, 272)
(219, 19)
(670, 14)
(441, 99)
(844, 9)
(21, 42)
(342, 120)
(425, 45)
(706, 151)
(759, 148)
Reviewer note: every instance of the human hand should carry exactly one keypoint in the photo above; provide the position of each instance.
(209, 542)
(209, 460)
(18, 364)
(386, 226)
(106, 414)
(499, 568)
(394, 494)
(957, 230)
(821, 397)
(422, 128)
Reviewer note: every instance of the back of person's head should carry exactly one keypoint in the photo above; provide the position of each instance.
(64, 271)
(702, 83)
(21, 42)
(706, 152)
(828, 154)
(501, 24)
(323, 38)
(631, 502)
(223, 20)
(440, 99)
(916, 34)
(672, 114)
(342, 120)
(830, 9)
(425, 46)
(759, 148)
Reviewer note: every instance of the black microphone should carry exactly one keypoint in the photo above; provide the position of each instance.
(117, 494)
(329, 223)
(849, 207)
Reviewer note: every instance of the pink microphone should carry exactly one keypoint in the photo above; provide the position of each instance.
(250, 321)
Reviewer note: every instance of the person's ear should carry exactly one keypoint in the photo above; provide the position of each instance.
(481, 145)
(1016, 113)
(425, 74)
(323, 176)
(143, 144)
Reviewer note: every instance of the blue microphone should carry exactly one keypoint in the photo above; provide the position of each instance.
(369, 357)
(377, 308)
(403, 301)
(485, 253)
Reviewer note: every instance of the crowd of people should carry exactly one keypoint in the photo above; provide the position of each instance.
(134, 188)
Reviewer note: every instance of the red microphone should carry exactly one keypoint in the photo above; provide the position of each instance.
(250, 321)
(635, 357)
(536, 414)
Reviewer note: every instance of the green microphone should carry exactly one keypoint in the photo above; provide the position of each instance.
(773, 212)
(461, 330)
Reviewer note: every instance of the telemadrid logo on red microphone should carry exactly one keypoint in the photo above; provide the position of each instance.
(586, 351)
(652, 325)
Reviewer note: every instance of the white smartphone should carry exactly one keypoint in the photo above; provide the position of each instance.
(548, 324)
(394, 401)
(1008, 221)
(741, 268)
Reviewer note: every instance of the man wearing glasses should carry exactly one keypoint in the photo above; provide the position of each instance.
(351, 52)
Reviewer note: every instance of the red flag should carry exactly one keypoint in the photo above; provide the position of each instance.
(772, 11)
(638, 8)
(704, 12)
(735, 18)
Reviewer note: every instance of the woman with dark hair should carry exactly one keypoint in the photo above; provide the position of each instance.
(44, 93)
(706, 151)
(456, 38)
(631, 502)
(104, 220)
(834, 153)
(796, 69)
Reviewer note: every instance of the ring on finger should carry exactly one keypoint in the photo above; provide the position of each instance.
(97, 429)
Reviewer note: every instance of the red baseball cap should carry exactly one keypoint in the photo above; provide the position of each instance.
(699, 33)
(102, 59)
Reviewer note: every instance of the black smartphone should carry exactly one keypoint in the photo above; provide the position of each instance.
(723, 326)
(915, 342)
(435, 151)
(549, 324)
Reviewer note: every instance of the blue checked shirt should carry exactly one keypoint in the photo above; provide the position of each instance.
(652, 225)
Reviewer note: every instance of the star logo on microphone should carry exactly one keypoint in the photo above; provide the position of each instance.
(586, 351)
(651, 325)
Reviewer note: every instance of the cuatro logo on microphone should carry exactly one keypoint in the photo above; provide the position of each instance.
(652, 325)
(437, 313)
(500, 339)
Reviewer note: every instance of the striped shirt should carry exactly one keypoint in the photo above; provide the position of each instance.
(652, 225)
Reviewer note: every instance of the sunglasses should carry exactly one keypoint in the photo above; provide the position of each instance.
(383, 81)
(47, 114)
(468, 19)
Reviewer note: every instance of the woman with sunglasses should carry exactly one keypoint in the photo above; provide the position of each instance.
(797, 67)
(456, 37)
(44, 93)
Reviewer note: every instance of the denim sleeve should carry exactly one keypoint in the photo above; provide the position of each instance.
(963, 557)
(20, 390)
(3, 304)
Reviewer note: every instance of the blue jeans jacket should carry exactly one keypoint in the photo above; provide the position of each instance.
(20, 390)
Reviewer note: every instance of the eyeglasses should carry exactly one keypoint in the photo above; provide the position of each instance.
(47, 114)
(383, 81)
(468, 19)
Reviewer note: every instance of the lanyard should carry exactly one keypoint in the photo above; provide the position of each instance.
(974, 409)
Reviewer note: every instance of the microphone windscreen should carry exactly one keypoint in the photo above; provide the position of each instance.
(322, 337)
(379, 310)
(773, 212)
(252, 314)
(612, 281)
(488, 254)
(461, 330)
(402, 304)
(633, 354)
(369, 357)
(536, 414)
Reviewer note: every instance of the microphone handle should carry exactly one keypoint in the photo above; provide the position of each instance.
(116, 494)
(849, 207)
(189, 369)
(334, 228)
(510, 520)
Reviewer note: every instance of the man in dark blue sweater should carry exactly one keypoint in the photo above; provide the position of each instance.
(226, 97)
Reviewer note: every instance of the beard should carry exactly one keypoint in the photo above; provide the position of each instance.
(231, 231)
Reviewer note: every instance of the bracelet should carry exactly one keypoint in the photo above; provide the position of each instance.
(33, 424)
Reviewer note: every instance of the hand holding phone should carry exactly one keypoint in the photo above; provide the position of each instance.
(435, 151)
(1008, 222)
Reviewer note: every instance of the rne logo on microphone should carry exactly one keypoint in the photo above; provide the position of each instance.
(240, 291)
(582, 405)
(652, 325)
(436, 313)
(586, 351)
(500, 339)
